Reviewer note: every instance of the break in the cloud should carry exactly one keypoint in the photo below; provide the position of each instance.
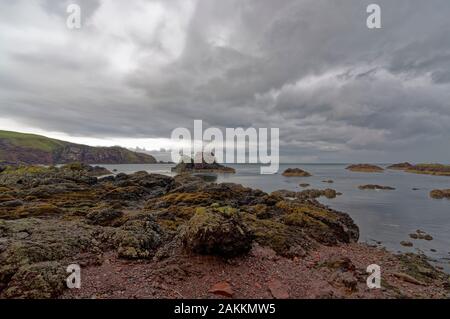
(137, 69)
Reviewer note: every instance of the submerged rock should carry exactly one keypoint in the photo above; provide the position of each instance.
(419, 234)
(406, 243)
(308, 194)
(375, 187)
(400, 166)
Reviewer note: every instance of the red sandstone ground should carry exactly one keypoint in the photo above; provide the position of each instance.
(328, 272)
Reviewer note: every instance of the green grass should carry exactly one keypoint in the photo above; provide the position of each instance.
(31, 141)
(26, 144)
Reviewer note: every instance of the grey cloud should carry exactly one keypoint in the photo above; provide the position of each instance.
(336, 89)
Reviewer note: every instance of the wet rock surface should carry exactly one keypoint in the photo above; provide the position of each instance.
(365, 168)
(53, 217)
(440, 193)
(400, 166)
(296, 172)
(375, 187)
(430, 169)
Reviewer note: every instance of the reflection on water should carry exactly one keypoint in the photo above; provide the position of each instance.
(382, 216)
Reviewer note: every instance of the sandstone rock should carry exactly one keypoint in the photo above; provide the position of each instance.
(343, 264)
(408, 278)
(222, 289)
(347, 280)
(278, 290)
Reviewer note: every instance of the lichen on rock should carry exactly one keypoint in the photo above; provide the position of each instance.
(217, 231)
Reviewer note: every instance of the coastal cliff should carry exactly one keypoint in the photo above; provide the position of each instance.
(20, 148)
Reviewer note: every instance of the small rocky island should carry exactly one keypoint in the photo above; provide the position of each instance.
(296, 172)
(203, 167)
(365, 168)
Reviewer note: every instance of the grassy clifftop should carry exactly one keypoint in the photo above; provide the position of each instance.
(36, 149)
(33, 141)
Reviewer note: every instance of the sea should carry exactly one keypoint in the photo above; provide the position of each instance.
(384, 217)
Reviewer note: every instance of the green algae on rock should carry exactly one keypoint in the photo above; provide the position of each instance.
(295, 172)
(430, 169)
(440, 193)
(400, 166)
(365, 168)
(217, 230)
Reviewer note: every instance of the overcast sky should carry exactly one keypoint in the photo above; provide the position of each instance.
(338, 91)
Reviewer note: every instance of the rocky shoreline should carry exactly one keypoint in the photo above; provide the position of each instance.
(153, 236)
(426, 169)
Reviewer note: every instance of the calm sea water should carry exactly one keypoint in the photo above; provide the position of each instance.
(382, 216)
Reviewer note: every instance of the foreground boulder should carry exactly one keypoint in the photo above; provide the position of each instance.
(217, 231)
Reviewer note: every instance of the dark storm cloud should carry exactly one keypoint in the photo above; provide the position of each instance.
(337, 90)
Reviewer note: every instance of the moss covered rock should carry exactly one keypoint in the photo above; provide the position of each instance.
(37, 281)
(138, 239)
(217, 231)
